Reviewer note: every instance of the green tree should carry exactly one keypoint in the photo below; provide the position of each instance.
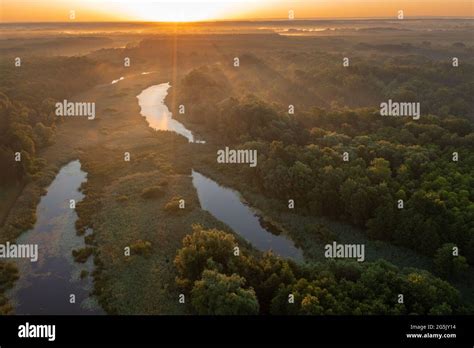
(202, 248)
(379, 170)
(219, 294)
(306, 297)
(448, 265)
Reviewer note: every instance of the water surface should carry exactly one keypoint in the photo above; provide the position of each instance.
(223, 203)
(45, 286)
(153, 108)
(226, 205)
(115, 81)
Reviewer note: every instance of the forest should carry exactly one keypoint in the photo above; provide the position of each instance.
(27, 98)
(220, 283)
(403, 181)
(426, 163)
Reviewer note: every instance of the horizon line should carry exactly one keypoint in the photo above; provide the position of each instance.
(243, 20)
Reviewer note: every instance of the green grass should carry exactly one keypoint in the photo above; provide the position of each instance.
(153, 235)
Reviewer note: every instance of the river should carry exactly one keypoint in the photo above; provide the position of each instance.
(153, 108)
(45, 286)
(226, 205)
(223, 203)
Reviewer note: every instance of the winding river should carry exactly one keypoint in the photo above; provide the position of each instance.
(45, 286)
(223, 203)
(226, 205)
(153, 108)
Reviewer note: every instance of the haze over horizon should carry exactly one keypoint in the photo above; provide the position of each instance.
(213, 10)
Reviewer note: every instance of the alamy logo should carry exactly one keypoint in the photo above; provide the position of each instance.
(76, 109)
(392, 108)
(344, 251)
(19, 251)
(37, 331)
(237, 156)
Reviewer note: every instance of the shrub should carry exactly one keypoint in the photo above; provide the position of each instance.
(122, 198)
(89, 239)
(173, 205)
(153, 192)
(140, 247)
(81, 255)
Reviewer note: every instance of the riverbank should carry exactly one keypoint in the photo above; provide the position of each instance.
(8, 197)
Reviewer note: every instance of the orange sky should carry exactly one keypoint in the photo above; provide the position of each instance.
(191, 10)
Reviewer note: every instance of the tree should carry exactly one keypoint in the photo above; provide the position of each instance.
(201, 248)
(379, 170)
(448, 265)
(219, 294)
(43, 135)
(301, 179)
(310, 297)
(381, 225)
(224, 284)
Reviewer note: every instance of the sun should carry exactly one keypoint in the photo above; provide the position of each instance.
(175, 11)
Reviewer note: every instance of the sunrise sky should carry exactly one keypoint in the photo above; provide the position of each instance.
(198, 10)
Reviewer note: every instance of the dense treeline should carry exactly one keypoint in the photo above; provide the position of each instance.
(320, 80)
(440, 88)
(219, 282)
(389, 159)
(27, 97)
(22, 131)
